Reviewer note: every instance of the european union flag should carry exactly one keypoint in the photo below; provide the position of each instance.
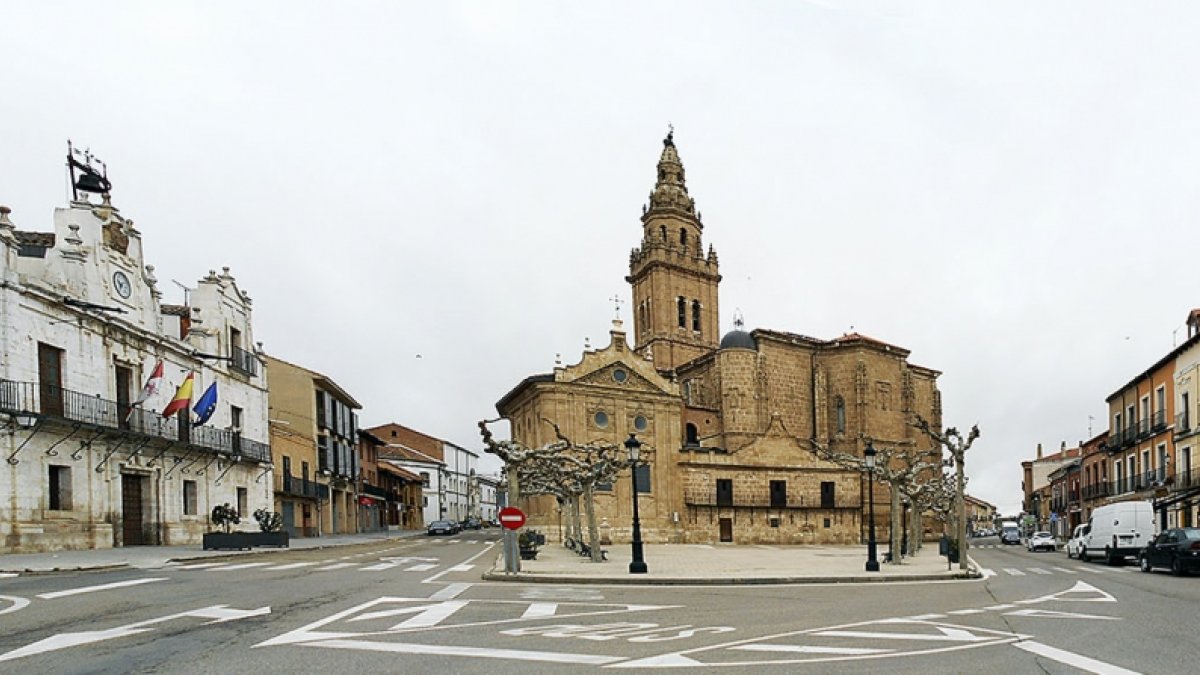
(206, 406)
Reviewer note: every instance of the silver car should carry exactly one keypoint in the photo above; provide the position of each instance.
(1041, 541)
(1078, 538)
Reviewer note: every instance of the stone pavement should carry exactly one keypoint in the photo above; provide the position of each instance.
(143, 557)
(726, 564)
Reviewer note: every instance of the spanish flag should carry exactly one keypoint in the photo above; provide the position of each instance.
(183, 397)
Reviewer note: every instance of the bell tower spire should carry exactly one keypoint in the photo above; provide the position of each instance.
(674, 280)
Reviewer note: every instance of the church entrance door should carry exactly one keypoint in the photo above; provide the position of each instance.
(726, 529)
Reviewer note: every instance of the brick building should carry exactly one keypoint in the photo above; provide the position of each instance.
(727, 422)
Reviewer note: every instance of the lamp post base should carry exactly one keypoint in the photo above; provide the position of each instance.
(872, 565)
(637, 567)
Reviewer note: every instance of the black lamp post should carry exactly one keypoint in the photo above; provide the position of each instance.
(638, 564)
(869, 460)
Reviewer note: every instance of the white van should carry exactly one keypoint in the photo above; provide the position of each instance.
(1118, 531)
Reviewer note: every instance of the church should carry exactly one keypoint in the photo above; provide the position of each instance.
(727, 423)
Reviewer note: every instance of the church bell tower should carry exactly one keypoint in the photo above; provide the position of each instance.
(674, 281)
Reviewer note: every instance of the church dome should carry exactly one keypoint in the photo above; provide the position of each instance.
(738, 339)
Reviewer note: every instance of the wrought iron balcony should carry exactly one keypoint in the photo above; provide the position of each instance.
(1183, 424)
(376, 491)
(243, 361)
(1096, 490)
(47, 401)
(1158, 421)
(294, 486)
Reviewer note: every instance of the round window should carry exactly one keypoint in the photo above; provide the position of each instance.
(639, 423)
(620, 375)
(601, 419)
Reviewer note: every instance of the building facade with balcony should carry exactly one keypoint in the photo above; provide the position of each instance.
(430, 474)
(1036, 484)
(389, 497)
(323, 431)
(1185, 487)
(90, 462)
(1140, 436)
(452, 492)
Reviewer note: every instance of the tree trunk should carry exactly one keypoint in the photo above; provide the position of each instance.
(593, 530)
(916, 530)
(896, 531)
(960, 527)
(577, 517)
(514, 486)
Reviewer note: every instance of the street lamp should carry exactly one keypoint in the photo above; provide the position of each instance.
(869, 460)
(638, 564)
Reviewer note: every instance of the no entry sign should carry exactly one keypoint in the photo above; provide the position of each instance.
(512, 518)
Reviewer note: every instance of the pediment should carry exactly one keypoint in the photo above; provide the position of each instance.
(619, 368)
(777, 446)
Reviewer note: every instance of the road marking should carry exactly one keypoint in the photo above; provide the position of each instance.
(291, 566)
(461, 568)
(200, 566)
(378, 568)
(1013, 571)
(538, 610)
(242, 566)
(471, 559)
(218, 614)
(512, 654)
(1050, 614)
(1064, 569)
(336, 566)
(101, 587)
(995, 608)
(1038, 570)
(17, 603)
(1072, 659)
(451, 591)
(960, 612)
(806, 649)
(948, 634)
(987, 573)
(423, 567)
(927, 617)
(7, 575)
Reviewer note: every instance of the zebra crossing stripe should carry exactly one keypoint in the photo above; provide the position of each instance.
(378, 568)
(336, 566)
(1014, 572)
(1063, 569)
(1038, 570)
(461, 568)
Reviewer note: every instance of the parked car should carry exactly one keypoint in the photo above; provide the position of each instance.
(1041, 541)
(471, 523)
(1177, 548)
(1075, 545)
(442, 527)
(1119, 531)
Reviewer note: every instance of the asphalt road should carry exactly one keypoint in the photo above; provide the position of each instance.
(418, 606)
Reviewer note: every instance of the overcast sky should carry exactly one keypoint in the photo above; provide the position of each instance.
(428, 201)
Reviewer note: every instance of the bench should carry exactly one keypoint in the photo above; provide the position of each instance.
(586, 551)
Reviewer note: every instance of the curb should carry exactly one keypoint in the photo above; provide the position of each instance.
(721, 581)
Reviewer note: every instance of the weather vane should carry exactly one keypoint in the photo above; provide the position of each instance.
(617, 302)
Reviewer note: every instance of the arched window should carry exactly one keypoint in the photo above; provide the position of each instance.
(682, 306)
(691, 436)
(696, 315)
(841, 415)
(662, 230)
(683, 237)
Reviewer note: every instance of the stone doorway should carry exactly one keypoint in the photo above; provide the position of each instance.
(726, 525)
(133, 513)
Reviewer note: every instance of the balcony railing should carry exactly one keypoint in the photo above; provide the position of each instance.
(243, 361)
(1158, 421)
(1183, 424)
(1097, 490)
(376, 491)
(53, 402)
(294, 486)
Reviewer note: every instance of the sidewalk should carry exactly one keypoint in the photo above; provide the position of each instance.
(695, 564)
(143, 557)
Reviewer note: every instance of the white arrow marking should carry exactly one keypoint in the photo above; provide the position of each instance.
(1072, 659)
(101, 587)
(805, 649)
(1049, 614)
(948, 635)
(219, 614)
(423, 567)
(663, 661)
(17, 603)
(426, 615)
(452, 650)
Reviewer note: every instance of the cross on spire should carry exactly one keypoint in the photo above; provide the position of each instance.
(617, 302)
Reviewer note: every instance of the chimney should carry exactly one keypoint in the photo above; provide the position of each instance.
(1039, 451)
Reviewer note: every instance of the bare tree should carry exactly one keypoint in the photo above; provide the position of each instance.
(898, 468)
(957, 446)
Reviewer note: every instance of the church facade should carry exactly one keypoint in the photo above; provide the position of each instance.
(728, 423)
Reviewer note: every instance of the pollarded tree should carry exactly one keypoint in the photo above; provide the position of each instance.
(898, 468)
(957, 446)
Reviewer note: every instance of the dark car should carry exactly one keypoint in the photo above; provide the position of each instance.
(471, 523)
(1177, 549)
(442, 527)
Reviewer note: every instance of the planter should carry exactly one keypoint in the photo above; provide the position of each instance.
(244, 540)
